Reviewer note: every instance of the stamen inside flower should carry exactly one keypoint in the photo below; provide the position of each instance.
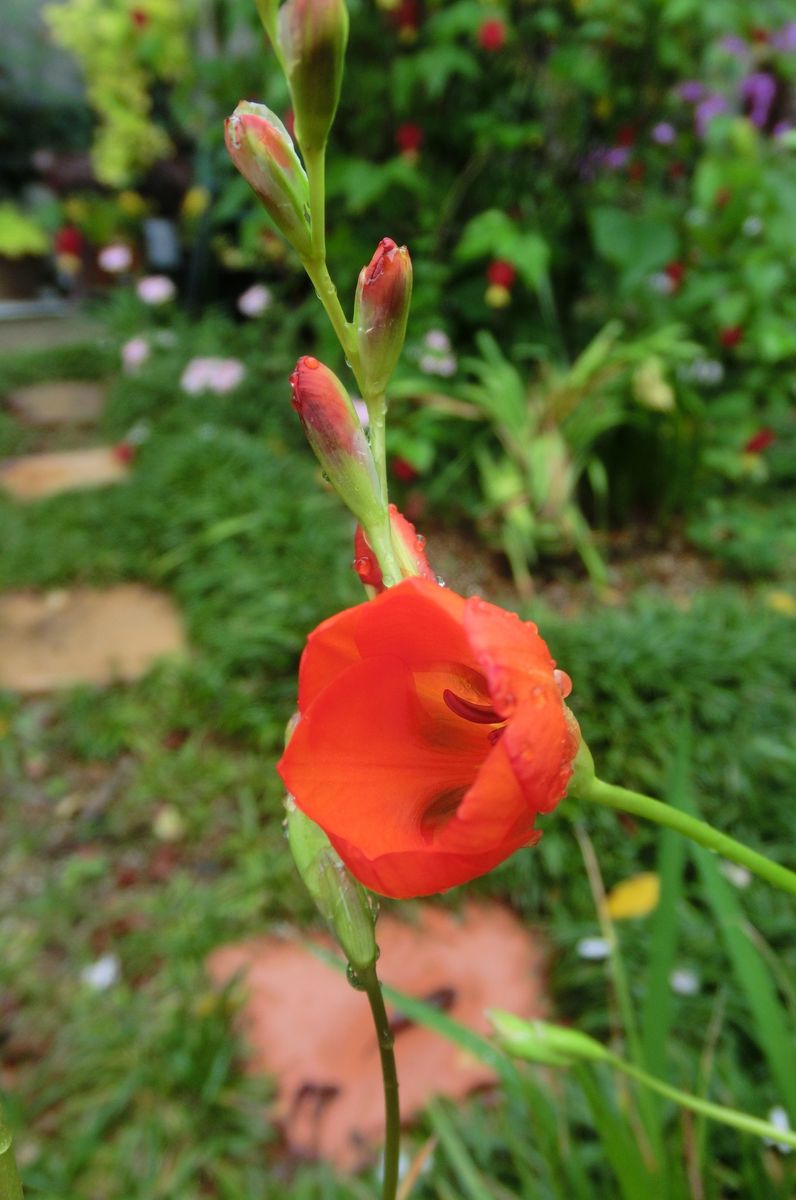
(481, 714)
(440, 811)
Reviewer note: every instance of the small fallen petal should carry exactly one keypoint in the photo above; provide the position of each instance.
(779, 1119)
(168, 825)
(593, 949)
(684, 981)
(738, 876)
(635, 897)
(102, 974)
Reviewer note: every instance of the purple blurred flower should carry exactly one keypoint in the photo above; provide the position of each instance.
(785, 39)
(781, 128)
(664, 133)
(134, 353)
(217, 375)
(255, 300)
(734, 45)
(156, 289)
(616, 157)
(709, 108)
(115, 258)
(758, 91)
(361, 411)
(690, 90)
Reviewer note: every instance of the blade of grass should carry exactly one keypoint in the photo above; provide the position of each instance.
(467, 1173)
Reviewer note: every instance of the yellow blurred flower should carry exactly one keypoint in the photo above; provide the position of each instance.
(131, 203)
(497, 296)
(75, 208)
(195, 202)
(603, 107)
(634, 897)
(782, 602)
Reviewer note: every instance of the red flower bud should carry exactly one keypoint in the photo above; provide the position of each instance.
(403, 471)
(760, 441)
(69, 240)
(261, 149)
(675, 271)
(492, 35)
(433, 731)
(731, 336)
(409, 548)
(501, 274)
(336, 435)
(312, 37)
(381, 310)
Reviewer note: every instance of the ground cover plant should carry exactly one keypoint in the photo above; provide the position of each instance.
(158, 832)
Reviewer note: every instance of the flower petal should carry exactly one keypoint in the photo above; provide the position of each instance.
(510, 652)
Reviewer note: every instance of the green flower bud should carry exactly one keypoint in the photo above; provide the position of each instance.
(541, 1042)
(340, 899)
(262, 150)
(336, 435)
(583, 774)
(381, 310)
(312, 39)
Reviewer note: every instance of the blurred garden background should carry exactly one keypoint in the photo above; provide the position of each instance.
(594, 423)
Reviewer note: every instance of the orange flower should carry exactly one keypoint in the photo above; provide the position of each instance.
(433, 730)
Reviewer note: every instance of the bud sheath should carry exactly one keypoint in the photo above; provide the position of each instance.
(262, 150)
(336, 435)
(340, 899)
(381, 310)
(312, 38)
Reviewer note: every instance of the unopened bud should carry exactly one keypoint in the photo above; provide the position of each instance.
(262, 150)
(312, 38)
(541, 1042)
(409, 547)
(583, 774)
(340, 899)
(381, 310)
(336, 435)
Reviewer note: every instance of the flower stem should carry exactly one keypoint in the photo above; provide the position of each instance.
(392, 1115)
(377, 411)
(10, 1186)
(612, 796)
(315, 162)
(716, 1112)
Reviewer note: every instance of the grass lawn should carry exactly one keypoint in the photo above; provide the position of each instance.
(144, 822)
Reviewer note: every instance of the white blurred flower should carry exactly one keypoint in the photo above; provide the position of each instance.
(433, 364)
(102, 974)
(115, 258)
(219, 375)
(134, 353)
(156, 289)
(779, 1119)
(738, 876)
(661, 283)
(437, 339)
(684, 981)
(593, 949)
(752, 226)
(255, 300)
(696, 217)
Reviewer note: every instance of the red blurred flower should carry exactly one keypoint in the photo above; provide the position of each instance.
(676, 170)
(760, 441)
(675, 271)
(403, 471)
(492, 35)
(731, 336)
(433, 731)
(139, 17)
(69, 240)
(124, 452)
(409, 138)
(636, 172)
(501, 274)
(409, 544)
(626, 135)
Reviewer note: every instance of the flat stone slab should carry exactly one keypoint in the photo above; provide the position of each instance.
(64, 638)
(304, 1024)
(33, 476)
(59, 402)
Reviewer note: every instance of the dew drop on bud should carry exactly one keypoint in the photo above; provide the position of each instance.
(311, 364)
(354, 979)
(564, 682)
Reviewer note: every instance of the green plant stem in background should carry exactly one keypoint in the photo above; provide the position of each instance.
(10, 1186)
(612, 796)
(705, 1108)
(369, 981)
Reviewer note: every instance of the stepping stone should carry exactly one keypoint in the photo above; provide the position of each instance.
(304, 1024)
(84, 635)
(59, 402)
(34, 476)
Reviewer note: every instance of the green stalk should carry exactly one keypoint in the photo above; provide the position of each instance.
(705, 1108)
(369, 981)
(10, 1186)
(377, 408)
(326, 292)
(315, 163)
(611, 796)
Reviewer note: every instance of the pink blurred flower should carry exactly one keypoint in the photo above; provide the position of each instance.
(134, 353)
(219, 375)
(115, 258)
(156, 289)
(255, 300)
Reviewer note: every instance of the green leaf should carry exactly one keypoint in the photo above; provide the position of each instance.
(636, 243)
